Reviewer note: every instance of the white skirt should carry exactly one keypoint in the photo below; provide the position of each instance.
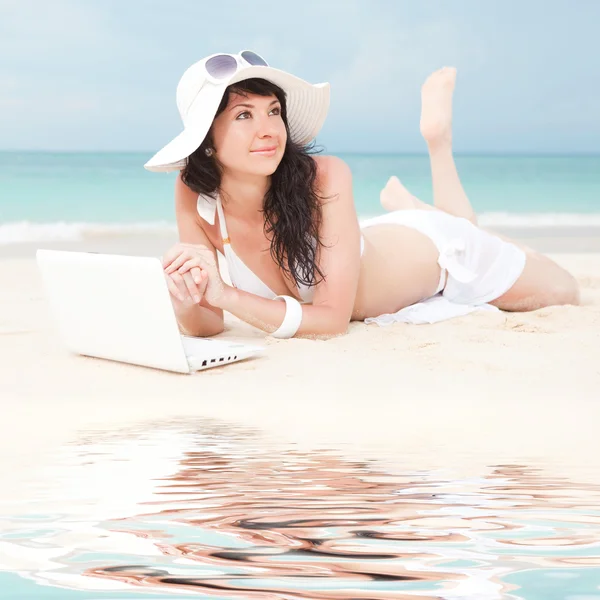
(477, 267)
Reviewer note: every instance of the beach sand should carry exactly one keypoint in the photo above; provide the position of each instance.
(481, 390)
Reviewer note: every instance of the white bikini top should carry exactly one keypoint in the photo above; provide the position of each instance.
(244, 278)
(241, 276)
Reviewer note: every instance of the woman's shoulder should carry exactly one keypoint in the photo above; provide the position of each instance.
(183, 192)
(327, 163)
(186, 200)
(331, 169)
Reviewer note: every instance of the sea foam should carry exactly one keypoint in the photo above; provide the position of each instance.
(28, 232)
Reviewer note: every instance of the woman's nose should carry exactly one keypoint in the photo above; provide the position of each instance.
(266, 127)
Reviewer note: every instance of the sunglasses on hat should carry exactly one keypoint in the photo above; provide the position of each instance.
(223, 66)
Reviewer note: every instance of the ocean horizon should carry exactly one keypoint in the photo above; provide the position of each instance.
(68, 196)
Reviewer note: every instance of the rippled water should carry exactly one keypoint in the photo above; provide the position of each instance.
(218, 512)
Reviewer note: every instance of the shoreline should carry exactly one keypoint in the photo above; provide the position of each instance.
(553, 239)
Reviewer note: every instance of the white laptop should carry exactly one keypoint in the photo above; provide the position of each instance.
(119, 308)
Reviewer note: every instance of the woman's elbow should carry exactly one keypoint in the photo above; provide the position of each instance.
(339, 328)
(336, 323)
(203, 330)
(329, 329)
(211, 332)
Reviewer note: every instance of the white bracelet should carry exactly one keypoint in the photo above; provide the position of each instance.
(292, 320)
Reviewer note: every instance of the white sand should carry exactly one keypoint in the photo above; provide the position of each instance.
(484, 389)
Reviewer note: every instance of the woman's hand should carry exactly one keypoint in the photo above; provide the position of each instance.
(185, 289)
(187, 260)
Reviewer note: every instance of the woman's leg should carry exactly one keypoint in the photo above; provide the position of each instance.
(394, 196)
(436, 128)
(542, 283)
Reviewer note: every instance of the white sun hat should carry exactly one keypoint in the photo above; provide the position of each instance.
(201, 89)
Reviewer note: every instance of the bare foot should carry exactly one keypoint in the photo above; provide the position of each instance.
(394, 196)
(436, 106)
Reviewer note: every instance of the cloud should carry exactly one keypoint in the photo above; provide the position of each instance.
(34, 33)
(377, 90)
(103, 74)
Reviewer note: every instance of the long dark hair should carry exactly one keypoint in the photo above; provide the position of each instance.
(292, 207)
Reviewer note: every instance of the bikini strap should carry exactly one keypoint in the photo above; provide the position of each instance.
(222, 224)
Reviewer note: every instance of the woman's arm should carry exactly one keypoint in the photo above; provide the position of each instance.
(339, 260)
(200, 320)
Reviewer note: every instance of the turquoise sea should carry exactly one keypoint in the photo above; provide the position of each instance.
(65, 196)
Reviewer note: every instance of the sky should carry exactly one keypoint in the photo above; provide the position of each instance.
(101, 74)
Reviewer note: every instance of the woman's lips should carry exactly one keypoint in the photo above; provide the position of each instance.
(265, 151)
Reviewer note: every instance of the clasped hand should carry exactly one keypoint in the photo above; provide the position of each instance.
(191, 273)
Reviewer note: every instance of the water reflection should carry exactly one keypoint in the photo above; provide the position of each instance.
(237, 517)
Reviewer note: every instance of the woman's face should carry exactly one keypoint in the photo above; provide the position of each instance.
(249, 136)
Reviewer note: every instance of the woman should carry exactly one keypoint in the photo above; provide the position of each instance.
(248, 181)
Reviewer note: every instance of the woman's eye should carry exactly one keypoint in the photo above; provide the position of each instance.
(246, 114)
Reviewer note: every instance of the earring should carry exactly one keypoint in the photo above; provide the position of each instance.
(208, 151)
